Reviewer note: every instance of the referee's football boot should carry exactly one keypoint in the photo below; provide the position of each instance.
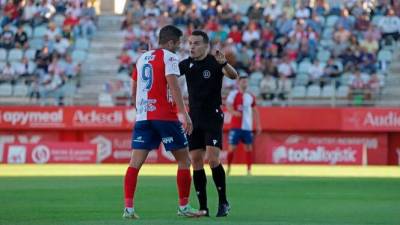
(223, 210)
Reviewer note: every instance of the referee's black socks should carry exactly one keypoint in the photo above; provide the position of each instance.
(200, 182)
(218, 174)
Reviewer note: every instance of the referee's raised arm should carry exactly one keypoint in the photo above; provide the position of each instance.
(227, 68)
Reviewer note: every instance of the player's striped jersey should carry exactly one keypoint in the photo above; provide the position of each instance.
(243, 103)
(153, 98)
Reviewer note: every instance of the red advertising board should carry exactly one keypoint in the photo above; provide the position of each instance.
(376, 144)
(371, 119)
(50, 152)
(83, 118)
(26, 137)
(394, 149)
(115, 147)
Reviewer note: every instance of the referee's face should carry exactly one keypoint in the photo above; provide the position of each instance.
(198, 47)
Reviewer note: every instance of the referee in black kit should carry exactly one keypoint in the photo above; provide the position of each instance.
(204, 73)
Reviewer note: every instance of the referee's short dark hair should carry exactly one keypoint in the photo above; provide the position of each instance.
(169, 33)
(203, 34)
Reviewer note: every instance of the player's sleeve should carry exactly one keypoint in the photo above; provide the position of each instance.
(171, 62)
(230, 98)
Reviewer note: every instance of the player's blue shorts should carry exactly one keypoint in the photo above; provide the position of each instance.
(236, 135)
(149, 134)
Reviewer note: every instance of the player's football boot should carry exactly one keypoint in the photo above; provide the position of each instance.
(188, 211)
(130, 214)
(223, 210)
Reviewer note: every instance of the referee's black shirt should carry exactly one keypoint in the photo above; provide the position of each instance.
(204, 82)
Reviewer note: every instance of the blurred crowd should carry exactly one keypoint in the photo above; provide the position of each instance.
(279, 44)
(43, 44)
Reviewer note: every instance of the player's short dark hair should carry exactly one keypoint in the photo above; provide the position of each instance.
(203, 34)
(169, 33)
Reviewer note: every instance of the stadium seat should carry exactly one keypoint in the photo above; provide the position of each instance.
(323, 55)
(39, 32)
(5, 89)
(105, 99)
(58, 20)
(2, 64)
(385, 55)
(20, 90)
(123, 76)
(78, 56)
(328, 91)
(3, 54)
(327, 34)
(304, 66)
(36, 43)
(15, 54)
(28, 30)
(342, 91)
(298, 92)
(301, 79)
(313, 91)
(30, 53)
(331, 20)
(82, 44)
(376, 19)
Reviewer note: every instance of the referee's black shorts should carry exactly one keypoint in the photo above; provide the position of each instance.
(207, 128)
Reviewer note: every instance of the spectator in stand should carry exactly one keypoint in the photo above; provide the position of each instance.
(316, 74)
(373, 32)
(303, 12)
(345, 21)
(273, 11)
(374, 86)
(21, 38)
(235, 34)
(357, 84)
(8, 74)
(332, 71)
(7, 38)
(251, 34)
(71, 69)
(367, 61)
(11, 12)
(255, 11)
(284, 25)
(43, 59)
(370, 45)
(342, 35)
(390, 25)
(25, 69)
(30, 11)
(321, 7)
(61, 45)
(362, 22)
(52, 31)
(268, 87)
(285, 72)
(124, 62)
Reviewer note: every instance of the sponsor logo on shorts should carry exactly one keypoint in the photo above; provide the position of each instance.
(139, 139)
(167, 140)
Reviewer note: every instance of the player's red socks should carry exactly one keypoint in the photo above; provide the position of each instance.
(130, 186)
(230, 157)
(249, 160)
(183, 181)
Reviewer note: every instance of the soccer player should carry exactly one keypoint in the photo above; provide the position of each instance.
(242, 106)
(204, 73)
(157, 95)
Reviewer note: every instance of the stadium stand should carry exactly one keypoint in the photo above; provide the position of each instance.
(302, 52)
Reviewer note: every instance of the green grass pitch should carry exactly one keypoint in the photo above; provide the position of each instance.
(255, 200)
